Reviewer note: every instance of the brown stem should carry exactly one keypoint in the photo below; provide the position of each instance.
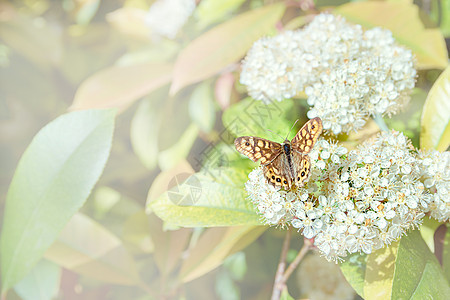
(281, 277)
(305, 248)
(277, 286)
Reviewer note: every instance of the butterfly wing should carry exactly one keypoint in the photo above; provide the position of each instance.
(278, 172)
(307, 136)
(257, 148)
(302, 166)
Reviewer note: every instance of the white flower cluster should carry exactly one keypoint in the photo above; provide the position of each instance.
(362, 200)
(347, 74)
(434, 166)
(273, 204)
(166, 17)
(270, 72)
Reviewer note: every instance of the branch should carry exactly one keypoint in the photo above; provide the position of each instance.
(307, 244)
(282, 277)
(277, 285)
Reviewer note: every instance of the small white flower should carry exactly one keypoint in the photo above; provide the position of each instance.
(166, 17)
(434, 167)
(359, 204)
(269, 71)
(347, 74)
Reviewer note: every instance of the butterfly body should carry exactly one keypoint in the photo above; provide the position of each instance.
(287, 164)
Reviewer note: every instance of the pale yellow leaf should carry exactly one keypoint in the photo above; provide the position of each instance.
(436, 115)
(223, 45)
(402, 19)
(119, 86)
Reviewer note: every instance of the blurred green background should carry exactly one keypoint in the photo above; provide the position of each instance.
(61, 56)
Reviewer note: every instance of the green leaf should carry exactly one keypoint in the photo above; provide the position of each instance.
(444, 142)
(440, 13)
(201, 107)
(427, 230)
(446, 255)
(42, 283)
(297, 22)
(169, 245)
(222, 154)
(144, 132)
(285, 295)
(226, 288)
(250, 117)
(223, 45)
(402, 18)
(425, 276)
(354, 270)
(86, 247)
(236, 265)
(247, 239)
(432, 282)
(169, 158)
(215, 197)
(212, 11)
(120, 86)
(136, 234)
(406, 270)
(214, 246)
(103, 201)
(166, 179)
(380, 271)
(435, 133)
(87, 11)
(53, 179)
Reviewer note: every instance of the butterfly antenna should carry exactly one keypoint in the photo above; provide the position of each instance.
(274, 133)
(291, 129)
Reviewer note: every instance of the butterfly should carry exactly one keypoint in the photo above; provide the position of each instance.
(286, 164)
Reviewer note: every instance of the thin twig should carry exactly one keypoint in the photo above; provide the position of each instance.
(277, 287)
(306, 247)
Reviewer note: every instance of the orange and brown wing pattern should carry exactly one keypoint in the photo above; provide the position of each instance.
(302, 167)
(277, 172)
(257, 148)
(307, 136)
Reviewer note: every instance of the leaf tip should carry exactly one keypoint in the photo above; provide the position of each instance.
(175, 87)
